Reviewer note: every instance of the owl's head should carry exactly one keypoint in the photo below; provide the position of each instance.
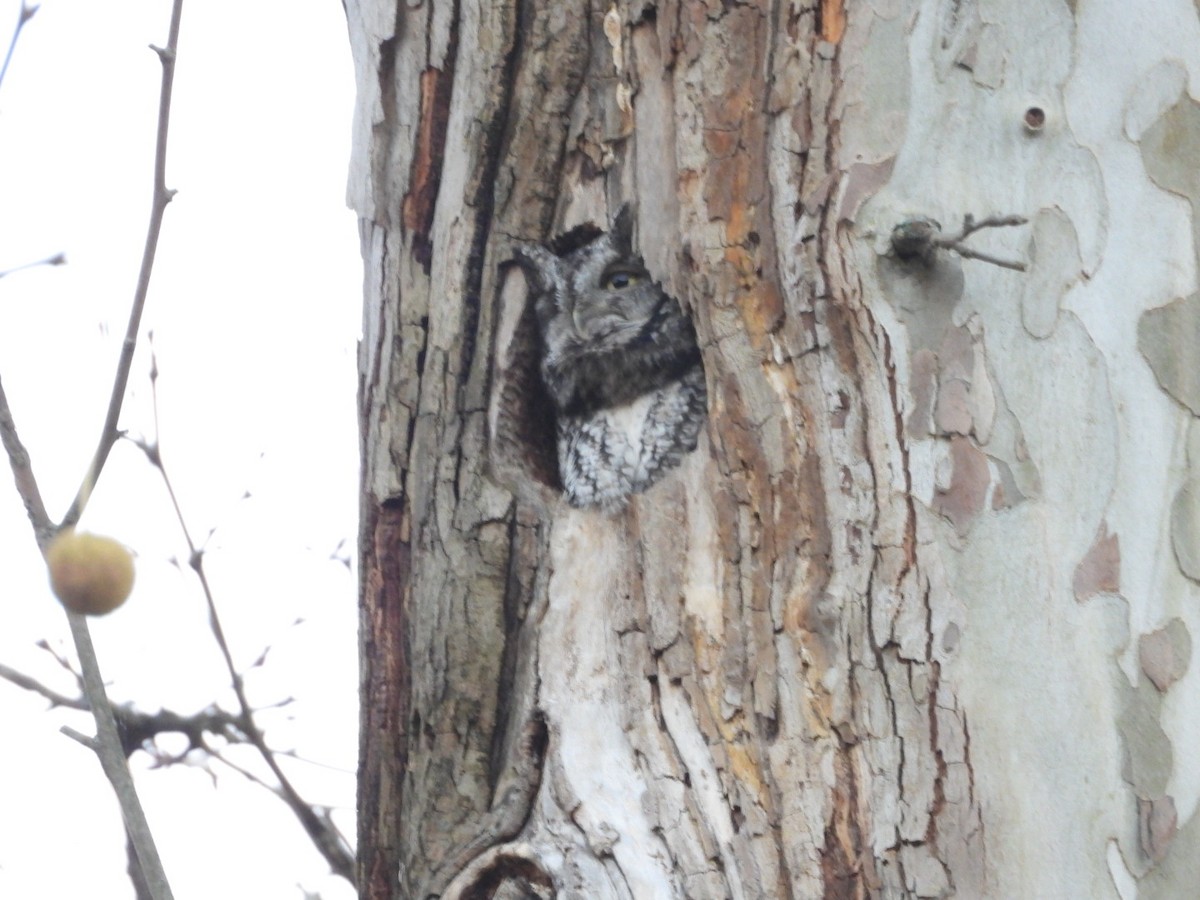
(593, 285)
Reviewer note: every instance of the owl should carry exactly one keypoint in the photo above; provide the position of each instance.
(619, 360)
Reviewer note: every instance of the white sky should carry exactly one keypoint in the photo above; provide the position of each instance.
(255, 308)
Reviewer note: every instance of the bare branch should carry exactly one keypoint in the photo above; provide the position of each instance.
(122, 730)
(107, 744)
(136, 727)
(110, 749)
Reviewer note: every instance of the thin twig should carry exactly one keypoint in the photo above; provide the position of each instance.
(970, 225)
(22, 469)
(328, 841)
(324, 816)
(968, 253)
(80, 737)
(162, 196)
(329, 767)
(58, 259)
(63, 662)
(954, 242)
(244, 772)
(20, 679)
(921, 236)
(23, 16)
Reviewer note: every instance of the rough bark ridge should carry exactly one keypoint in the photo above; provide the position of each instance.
(734, 688)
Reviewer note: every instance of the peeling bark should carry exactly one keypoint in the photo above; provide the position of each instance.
(884, 603)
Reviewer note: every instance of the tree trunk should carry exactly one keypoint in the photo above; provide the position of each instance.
(873, 637)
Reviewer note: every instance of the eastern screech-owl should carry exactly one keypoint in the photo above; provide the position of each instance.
(620, 362)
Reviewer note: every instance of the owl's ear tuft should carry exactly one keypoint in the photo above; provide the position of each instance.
(579, 236)
(622, 229)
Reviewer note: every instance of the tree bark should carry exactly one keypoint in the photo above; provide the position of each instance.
(882, 605)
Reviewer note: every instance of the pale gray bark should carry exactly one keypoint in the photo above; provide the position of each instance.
(874, 638)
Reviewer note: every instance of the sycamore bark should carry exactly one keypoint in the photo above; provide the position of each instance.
(914, 620)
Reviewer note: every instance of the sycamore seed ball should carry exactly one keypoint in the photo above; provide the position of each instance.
(89, 573)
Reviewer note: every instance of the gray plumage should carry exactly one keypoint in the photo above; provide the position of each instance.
(619, 360)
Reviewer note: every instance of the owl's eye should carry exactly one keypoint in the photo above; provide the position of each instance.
(620, 279)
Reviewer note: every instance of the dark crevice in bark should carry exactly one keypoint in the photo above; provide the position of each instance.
(482, 202)
(841, 867)
(515, 607)
(524, 428)
(425, 172)
(971, 788)
(386, 693)
(939, 781)
(503, 822)
(385, 130)
(513, 875)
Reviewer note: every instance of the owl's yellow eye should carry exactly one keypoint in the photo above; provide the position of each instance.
(621, 279)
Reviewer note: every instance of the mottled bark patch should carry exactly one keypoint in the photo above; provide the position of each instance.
(1185, 529)
(1055, 268)
(1157, 824)
(1167, 339)
(1149, 758)
(1099, 572)
(961, 500)
(1164, 654)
